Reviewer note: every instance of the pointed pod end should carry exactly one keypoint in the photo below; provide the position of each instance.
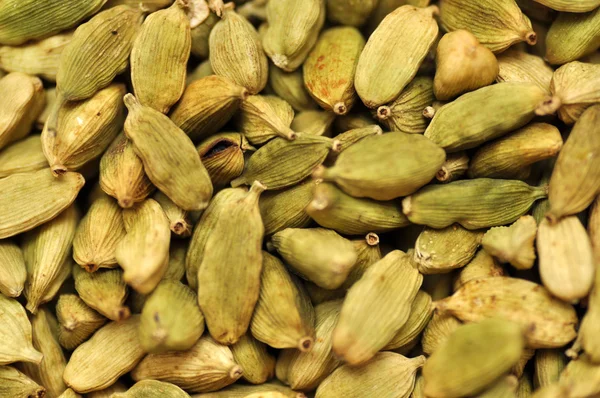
(280, 60)
(429, 112)
(383, 112)
(319, 173)
(336, 146)
(40, 392)
(372, 239)
(122, 313)
(340, 108)
(442, 175)
(531, 38)
(238, 182)
(305, 344)
(125, 202)
(58, 170)
(130, 101)
(235, 372)
(32, 355)
(90, 267)
(407, 206)
(549, 106)
(433, 10)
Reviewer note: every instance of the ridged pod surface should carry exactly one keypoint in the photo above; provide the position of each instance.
(572, 36)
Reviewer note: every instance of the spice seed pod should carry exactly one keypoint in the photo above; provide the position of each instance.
(201, 33)
(519, 66)
(455, 166)
(290, 87)
(481, 266)
(513, 244)
(152, 389)
(23, 156)
(179, 220)
(421, 312)
(314, 122)
(13, 383)
(263, 117)
(286, 208)
(437, 331)
(104, 291)
(13, 272)
(257, 363)
(16, 334)
(76, 321)
(573, 36)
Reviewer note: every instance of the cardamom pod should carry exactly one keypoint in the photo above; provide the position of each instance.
(570, 5)
(519, 66)
(513, 244)
(581, 378)
(455, 166)
(176, 269)
(549, 364)
(69, 393)
(330, 68)
(314, 122)
(518, 369)
(179, 220)
(400, 42)
(13, 272)
(152, 389)
(169, 156)
(13, 383)
(505, 387)
(244, 390)
(200, 35)
(290, 87)
(76, 321)
(117, 387)
(104, 291)
(524, 388)
(23, 156)
(285, 208)
(437, 331)
(257, 364)
(16, 334)
(474, 204)
(355, 120)
(350, 12)
(421, 312)
(202, 70)
(352, 136)
(481, 266)
(572, 36)
(263, 117)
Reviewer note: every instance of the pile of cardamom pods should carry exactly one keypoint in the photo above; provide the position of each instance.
(299, 198)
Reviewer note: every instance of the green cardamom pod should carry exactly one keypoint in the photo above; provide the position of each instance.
(519, 66)
(290, 87)
(437, 331)
(16, 334)
(76, 321)
(200, 35)
(581, 378)
(421, 312)
(263, 117)
(350, 12)
(285, 208)
(13, 272)
(572, 36)
(23, 156)
(202, 70)
(314, 122)
(455, 166)
(513, 244)
(104, 291)
(245, 390)
(258, 365)
(179, 220)
(13, 383)
(152, 389)
(481, 266)
(548, 364)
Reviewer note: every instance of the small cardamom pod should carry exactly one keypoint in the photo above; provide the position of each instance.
(76, 321)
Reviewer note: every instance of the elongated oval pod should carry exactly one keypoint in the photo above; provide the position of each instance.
(455, 166)
(93, 367)
(314, 122)
(152, 389)
(290, 87)
(572, 36)
(548, 322)
(23, 156)
(237, 53)
(76, 321)
(257, 363)
(169, 156)
(179, 220)
(244, 390)
(200, 35)
(286, 208)
(117, 387)
(330, 68)
(13, 272)
(421, 312)
(16, 334)
(437, 331)
(548, 365)
(393, 54)
(519, 66)
(350, 12)
(474, 204)
(580, 377)
(263, 117)
(207, 366)
(13, 383)
(104, 291)
(352, 136)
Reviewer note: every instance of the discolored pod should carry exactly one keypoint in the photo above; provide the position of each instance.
(513, 244)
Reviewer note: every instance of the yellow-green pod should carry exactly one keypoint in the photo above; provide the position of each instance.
(519, 66)
(223, 156)
(23, 156)
(257, 363)
(548, 365)
(263, 117)
(76, 321)
(350, 12)
(437, 331)
(13, 383)
(314, 122)
(285, 208)
(290, 87)
(152, 389)
(179, 220)
(421, 312)
(572, 36)
(200, 35)
(16, 334)
(13, 272)
(481, 266)
(104, 291)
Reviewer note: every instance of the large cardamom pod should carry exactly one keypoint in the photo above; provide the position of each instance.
(285, 208)
(548, 321)
(283, 316)
(290, 87)
(179, 220)
(330, 68)
(394, 53)
(76, 321)
(572, 36)
(519, 66)
(94, 367)
(263, 117)
(258, 365)
(13, 383)
(13, 272)
(104, 291)
(513, 244)
(23, 156)
(16, 335)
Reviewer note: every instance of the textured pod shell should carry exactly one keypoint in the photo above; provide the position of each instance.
(387, 375)
(16, 334)
(109, 35)
(236, 52)
(421, 312)
(46, 250)
(484, 352)
(548, 365)
(405, 113)
(548, 322)
(484, 114)
(437, 331)
(474, 204)
(286, 208)
(23, 156)
(13, 383)
(143, 253)
(207, 105)
(228, 312)
(163, 45)
(350, 12)
(223, 156)
(200, 35)
(352, 121)
(352, 136)
(496, 24)
(372, 168)
(566, 259)
(49, 108)
(117, 387)
(176, 268)
(572, 36)
(258, 365)
(281, 163)
(382, 299)
(314, 122)
(171, 318)
(169, 156)
(152, 389)
(179, 220)
(290, 87)
(581, 378)
(283, 316)
(575, 87)
(319, 255)
(571, 192)
(207, 366)
(13, 272)
(333, 208)
(519, 66)
(455, 166)
(21, 101)
(38, 58)
(330, 68)
(393, 54)
(122, 173)
(104, 291)
(85, 129)
(26, 20)
(243, 390)
(263, 117)
(76, 321)
(440, 251)
(93, 367)
(509, 156)
(513, 244)
(570, 5)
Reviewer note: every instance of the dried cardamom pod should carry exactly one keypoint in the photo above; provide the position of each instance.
(481, 266)
(290, 87)
(152, 389)
(317, 254)
(565, 242)
(16, 334)
(474, 204)
(143, 253)
(13, 383)
(169, 156)
(306, 370)
(437, 331)
(104, 291)
(200, 35)
(382, 299)
(283, 316)
(236, 52)
(505, 387)
(38, 58)
(69, 393)
(223, 156)
(360, 172)
(421, 312)
(524, 388)
(519, 66)
(387, 374)
(94, 367)
(496, 24)
(76, 321)
(405, 113)
(549, 364)
(442, 250)
(258, 365)
(491, 112)
(207, 366)
(46, 250)
(549, 322)
(176, 269)
(330, 68)
(23, 156)
(117, 387)
(518, 369)
(281, 163)
(263, 117)
(122, 173)
(513, 244)
(228, 313)
(581, 378)
(350, 12)
(568, 192)
(21, 100)
(49, 108)
(202, 70)
(245, 390)
(400, 42)
(286, 208)
(314, 122)
(444, 377)
(570, 5)
(455, 166)
(352, 136)
(179, 220)
(462, 65)
(13, 272)
(508, 156)
(355, 120)
(572, 36)
(333, 208)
